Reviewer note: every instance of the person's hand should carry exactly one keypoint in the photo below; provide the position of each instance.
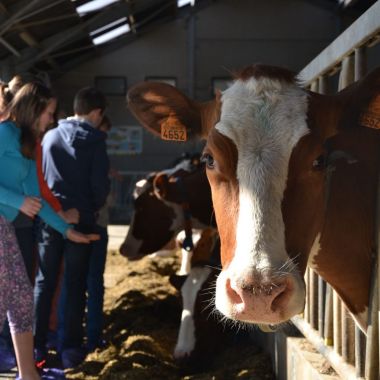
(70, 216)
(78, 237)
(31, 206)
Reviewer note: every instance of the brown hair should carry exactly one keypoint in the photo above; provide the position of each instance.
(88, 99)
(25, 109)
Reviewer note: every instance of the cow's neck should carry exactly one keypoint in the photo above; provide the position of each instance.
(343, 248)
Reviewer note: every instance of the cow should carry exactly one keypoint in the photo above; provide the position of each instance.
(201, 335)
(164, 204)
(293, 177)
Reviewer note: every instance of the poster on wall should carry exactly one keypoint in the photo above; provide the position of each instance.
(125, 140)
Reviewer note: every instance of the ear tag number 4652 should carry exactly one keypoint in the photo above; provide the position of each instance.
(173, 132)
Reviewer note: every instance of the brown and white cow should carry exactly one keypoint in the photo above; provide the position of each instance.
(158, 208)
(201, 335)
(293, 177)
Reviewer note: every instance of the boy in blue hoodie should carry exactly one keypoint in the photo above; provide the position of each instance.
(76, 167)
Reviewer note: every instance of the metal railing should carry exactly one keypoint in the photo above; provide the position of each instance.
(122, 200)
(326, 322)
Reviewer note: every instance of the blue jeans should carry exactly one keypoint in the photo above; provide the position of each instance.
(52, 247)
(95, 288)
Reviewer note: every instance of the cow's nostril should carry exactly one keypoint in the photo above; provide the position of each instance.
(282, 296)
(233, 293)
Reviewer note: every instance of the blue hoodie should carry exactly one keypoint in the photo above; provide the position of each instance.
(76, 167)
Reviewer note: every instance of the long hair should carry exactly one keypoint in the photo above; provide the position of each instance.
(25, 109)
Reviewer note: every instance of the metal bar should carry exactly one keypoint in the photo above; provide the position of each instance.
(313, 300)
(328, 332)
(372, 348)
(13, 18)
(346, 76)
(9, 47)
(348, 336)
(307, 303)
(359, 352)
(314, 86)
(323, 85)
(337, 323)
(41, 9)
(321, 305)
(360, 62)
(361, 31)
(42, 22)
(345, 370)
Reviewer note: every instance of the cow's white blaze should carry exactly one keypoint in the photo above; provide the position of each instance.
(315, 248)
(140, 187)
(189, 291)
(187, 255)
(265, 119)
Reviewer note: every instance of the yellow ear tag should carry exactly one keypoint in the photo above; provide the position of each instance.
(172, 130)
(371, 118)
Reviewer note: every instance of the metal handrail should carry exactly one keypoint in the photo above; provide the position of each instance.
(365, 31)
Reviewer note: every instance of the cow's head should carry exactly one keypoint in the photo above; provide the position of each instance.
(151, 224)
(263, 166)
(158, 211)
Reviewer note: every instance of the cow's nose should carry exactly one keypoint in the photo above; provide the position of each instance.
(123, 250)
(263, 298)
(128, 252)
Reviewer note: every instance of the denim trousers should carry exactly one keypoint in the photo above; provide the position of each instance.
(95, 288)
(52, 248)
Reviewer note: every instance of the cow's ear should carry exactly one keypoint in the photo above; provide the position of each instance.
(159, 105)
(160, 185)
(177, 280)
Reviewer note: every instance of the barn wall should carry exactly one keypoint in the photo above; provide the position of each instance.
(229, 34)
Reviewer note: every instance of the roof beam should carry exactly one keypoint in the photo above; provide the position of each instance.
(11, 15)
(30, 56)
(10, 47)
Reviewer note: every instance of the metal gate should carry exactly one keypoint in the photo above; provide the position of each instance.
(326, 323)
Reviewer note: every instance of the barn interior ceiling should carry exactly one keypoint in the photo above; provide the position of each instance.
(49, 37)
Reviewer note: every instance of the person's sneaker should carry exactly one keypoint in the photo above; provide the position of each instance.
(72, 357)
(7, 359)
(40, 356)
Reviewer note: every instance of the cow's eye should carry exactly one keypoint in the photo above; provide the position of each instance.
(319, 163)
(208, 160)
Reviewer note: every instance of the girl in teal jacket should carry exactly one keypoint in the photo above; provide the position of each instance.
(28, 116)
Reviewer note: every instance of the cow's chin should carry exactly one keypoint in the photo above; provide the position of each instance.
(262, 304)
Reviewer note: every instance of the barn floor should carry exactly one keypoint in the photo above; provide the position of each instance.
(142, 314)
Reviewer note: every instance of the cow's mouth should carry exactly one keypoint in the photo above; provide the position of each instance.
(271, 303)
